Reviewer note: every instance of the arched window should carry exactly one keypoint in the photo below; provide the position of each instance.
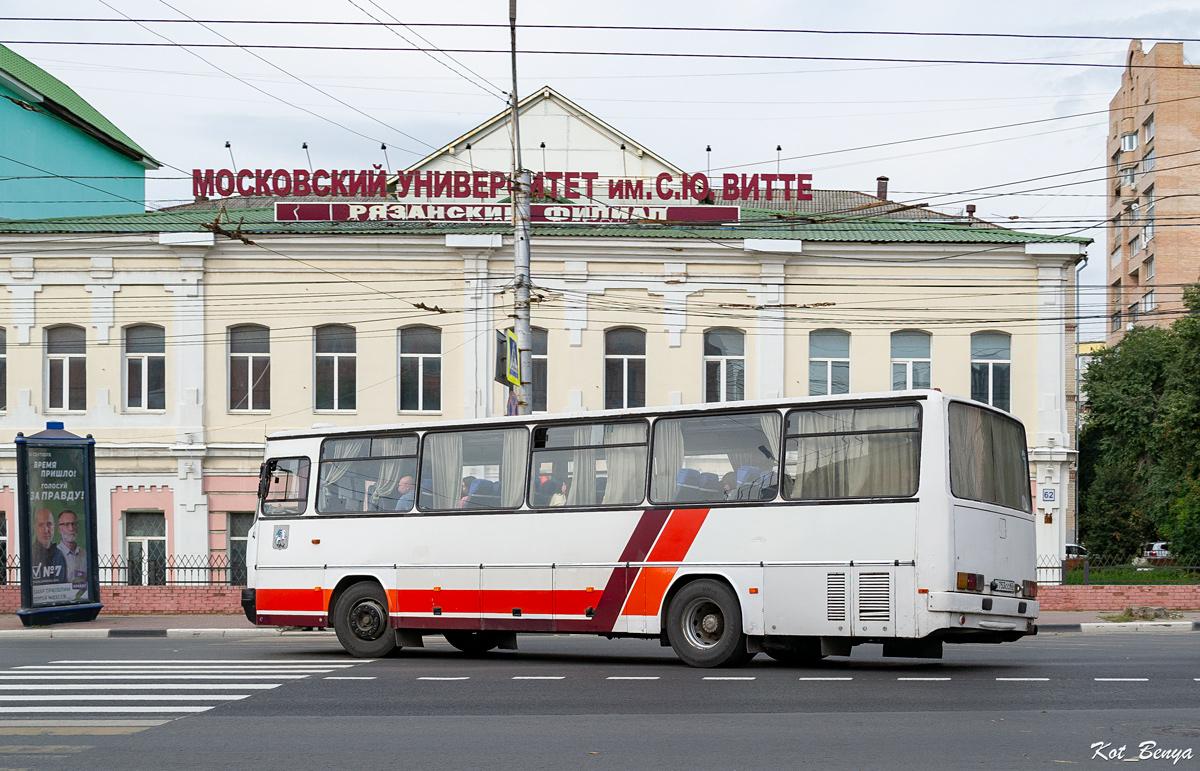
(828, 362)
(249, 368)
(66, 368)
(991, 369)
(334, 370)
(145, 368)
(624, 368)
(910, 360)
(724, 365)
(420, 368)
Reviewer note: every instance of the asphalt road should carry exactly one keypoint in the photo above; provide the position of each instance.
(579, 702)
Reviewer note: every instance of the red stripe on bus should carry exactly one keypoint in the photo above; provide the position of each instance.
(621, 580)
(672, 546)
(289, 599)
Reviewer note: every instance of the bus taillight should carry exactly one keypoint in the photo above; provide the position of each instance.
(1029, 589)
(970, 582)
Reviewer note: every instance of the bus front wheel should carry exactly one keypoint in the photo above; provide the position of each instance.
(360, 618)
(704, 625)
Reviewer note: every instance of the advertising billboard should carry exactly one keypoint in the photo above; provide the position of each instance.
(57, 516)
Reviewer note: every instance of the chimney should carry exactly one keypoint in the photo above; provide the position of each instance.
(970, 210)
(881, 187)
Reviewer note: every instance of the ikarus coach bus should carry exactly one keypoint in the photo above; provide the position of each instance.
(797, 528)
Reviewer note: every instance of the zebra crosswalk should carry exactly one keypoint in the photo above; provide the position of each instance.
(145, 688)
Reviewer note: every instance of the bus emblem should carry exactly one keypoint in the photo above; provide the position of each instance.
(280, 541)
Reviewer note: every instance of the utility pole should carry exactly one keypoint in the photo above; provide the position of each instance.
(520, 199)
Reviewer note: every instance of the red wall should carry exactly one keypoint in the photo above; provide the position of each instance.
(1118, 597)
(132, 600)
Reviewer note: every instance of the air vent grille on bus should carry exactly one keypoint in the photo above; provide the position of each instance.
(875, 597)
(835, 596)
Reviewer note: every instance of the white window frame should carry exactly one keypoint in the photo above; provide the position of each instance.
(828, 362)
(723, 370)
(337, 360)
(144, 358)
(1148, 161)
(251, 360)
(3, 370)
(1148, 268)
(908, 363)
(1115, 258)
(421, 361)
(229, 541)
(1135, 244)
(1129, 142)
(144, 540)
(1128, 176)
(991, 374)
(625, 359)
(64, 387)
(1148, 130)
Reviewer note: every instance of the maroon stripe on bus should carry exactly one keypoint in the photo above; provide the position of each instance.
(289, 619)
(621, 580)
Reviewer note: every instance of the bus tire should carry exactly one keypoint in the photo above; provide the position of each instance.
(704, 625)
(360, 618)
(472, 643)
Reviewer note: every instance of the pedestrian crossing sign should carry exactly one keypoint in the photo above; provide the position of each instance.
(514, 358)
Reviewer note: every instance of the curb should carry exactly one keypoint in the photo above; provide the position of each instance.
(43, 633)
(1131, 626)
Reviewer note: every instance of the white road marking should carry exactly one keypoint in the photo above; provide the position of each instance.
(633, 678)
(126, 697)
(1122, 679)
(540, 677)
(925, 679)
(729, 678)
(78, 708)
(443, 678)
(136, 686)
(826, 678)
(1022, 679)
(333, 677)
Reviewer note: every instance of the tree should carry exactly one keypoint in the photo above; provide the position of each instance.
(1139, 464)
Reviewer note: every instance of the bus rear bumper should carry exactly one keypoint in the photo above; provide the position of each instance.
(985, 605)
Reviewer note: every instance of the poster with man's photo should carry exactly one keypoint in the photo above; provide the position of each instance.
(58, 484)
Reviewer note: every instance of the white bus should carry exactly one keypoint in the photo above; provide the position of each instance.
(797, 528)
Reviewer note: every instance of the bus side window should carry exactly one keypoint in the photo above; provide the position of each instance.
(473, 469)
(716, 458)
(592, 464)
(848, 452)
(367, 475)
(286, 488)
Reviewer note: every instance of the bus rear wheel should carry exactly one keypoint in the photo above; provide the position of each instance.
(472, 643)
(360, 618)
(704, 625)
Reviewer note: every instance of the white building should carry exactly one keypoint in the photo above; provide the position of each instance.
(180, 348)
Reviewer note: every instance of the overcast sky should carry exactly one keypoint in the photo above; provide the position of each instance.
(182, 109)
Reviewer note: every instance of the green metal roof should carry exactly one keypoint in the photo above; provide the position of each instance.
(755, 223)
(61, 95)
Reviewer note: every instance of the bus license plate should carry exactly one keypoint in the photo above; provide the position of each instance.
(1003, 585)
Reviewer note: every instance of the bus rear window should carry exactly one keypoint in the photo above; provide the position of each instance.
(852, 452)
(987, 458)
(283, 486)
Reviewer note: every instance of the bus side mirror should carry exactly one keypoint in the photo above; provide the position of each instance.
(264, 478)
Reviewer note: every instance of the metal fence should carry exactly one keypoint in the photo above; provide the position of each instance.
(177, 570)
(1092, 571)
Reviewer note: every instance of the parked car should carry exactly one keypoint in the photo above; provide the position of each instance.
(1157, 552)
(1074, 550)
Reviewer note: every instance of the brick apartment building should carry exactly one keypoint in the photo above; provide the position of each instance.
(1154, 180)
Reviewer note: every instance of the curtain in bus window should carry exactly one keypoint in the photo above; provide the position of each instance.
(853, 453)
(668, 458)
(988, 458)
(441, 471)
(583, 477)
(512, 467)
(626, 465)
(337, 493)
